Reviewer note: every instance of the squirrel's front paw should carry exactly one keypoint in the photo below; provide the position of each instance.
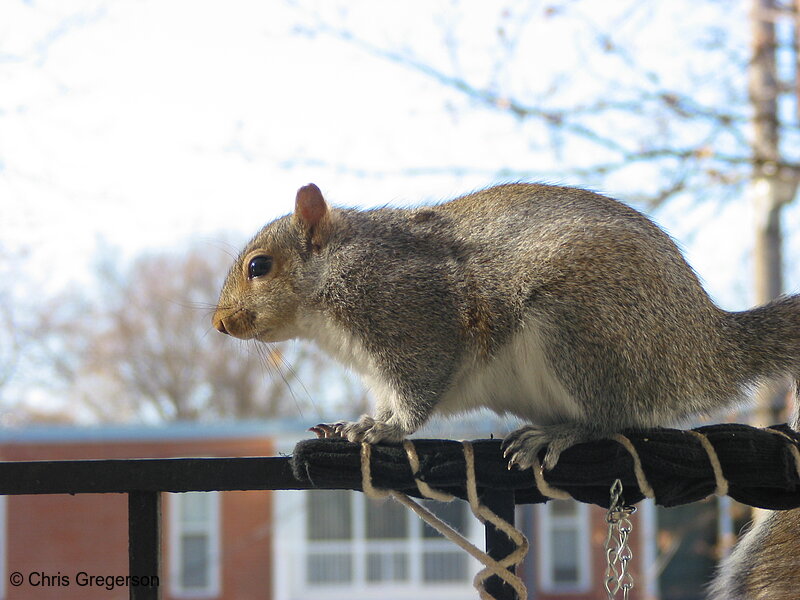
(521, 447)
(366, 429)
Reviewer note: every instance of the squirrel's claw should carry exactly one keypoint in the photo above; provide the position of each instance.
(321, 431)
(328, 430)
(366, 429)
(522, 447)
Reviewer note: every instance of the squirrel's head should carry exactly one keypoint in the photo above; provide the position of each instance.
(263, 291)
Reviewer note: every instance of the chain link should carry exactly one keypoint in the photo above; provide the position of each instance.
(618, 552)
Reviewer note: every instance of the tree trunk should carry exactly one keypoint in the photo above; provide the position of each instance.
(773, 185)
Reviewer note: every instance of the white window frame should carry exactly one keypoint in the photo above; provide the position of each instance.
(291, 547)
(211, 528)
(648, 534)
(549, 523)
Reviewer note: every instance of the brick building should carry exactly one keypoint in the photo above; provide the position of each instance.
(292, 545)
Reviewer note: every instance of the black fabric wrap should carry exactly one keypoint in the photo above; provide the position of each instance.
(758, 465)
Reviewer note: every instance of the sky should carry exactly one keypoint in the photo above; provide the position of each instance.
(148, 122)
(140, 124)
(131, 126)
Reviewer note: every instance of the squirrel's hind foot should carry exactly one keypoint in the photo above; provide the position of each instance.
(366, 429)
(521, 447)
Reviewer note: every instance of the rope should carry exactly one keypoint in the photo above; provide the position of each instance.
(424, 488)
(641, 480)
(545, 488)
(719, 476)
(757, 467)
(483, 513)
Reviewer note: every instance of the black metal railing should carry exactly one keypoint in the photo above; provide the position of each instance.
(143, 480)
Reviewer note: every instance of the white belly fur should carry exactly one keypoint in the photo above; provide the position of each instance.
(347, 350)
(337, 342)
(518, 380)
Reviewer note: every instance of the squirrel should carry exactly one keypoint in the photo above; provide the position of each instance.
(561, 306)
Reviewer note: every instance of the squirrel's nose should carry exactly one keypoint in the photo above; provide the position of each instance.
(220, 326)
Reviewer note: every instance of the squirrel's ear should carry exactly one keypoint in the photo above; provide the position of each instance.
(313, 215)
(310, 208)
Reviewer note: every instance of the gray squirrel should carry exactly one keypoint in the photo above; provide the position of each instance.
(557, 305)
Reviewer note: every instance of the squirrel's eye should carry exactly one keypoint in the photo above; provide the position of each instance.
(259, 266)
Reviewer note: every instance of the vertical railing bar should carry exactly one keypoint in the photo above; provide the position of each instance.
(144, 545)
(498, 544)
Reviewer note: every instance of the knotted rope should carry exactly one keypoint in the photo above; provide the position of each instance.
(492, 566)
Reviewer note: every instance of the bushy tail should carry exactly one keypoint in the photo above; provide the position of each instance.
(768, 338)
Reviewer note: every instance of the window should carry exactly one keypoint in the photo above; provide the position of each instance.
(194, 545)
(442, 561)
(564, 553)
(354, 542)
(687, 538)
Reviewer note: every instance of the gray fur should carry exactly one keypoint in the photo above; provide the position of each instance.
(765, 564)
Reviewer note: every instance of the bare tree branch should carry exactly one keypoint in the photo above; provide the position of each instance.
(700, 143)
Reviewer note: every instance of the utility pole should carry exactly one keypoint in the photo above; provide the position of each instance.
(773, 183)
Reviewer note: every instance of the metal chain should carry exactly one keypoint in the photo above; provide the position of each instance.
(618, 552)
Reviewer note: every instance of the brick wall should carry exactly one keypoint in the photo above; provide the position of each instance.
(50, 539)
